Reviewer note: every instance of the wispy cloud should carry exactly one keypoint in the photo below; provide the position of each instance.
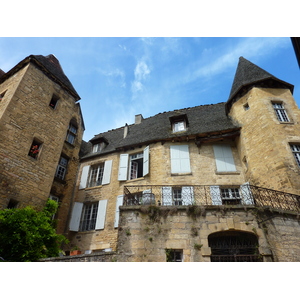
(141, 72)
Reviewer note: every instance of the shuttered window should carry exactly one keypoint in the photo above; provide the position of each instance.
(180, 159)
(224, 158)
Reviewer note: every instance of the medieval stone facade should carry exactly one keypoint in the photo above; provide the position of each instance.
(208, 183)
(215, 182)
(41, 128)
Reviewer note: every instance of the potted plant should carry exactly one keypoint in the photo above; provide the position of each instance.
(75, 251)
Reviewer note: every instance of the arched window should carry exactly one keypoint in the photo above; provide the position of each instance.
(234, 246)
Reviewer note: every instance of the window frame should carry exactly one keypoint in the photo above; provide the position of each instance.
(54, 101)
(280, 112)
(230, 195)
(35, 149)
(62, 168)
(71, 134)
(96, 171)
(295, 148)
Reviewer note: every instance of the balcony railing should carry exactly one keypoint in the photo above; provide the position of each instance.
(208, 195)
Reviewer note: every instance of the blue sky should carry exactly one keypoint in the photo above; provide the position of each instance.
(118, 78)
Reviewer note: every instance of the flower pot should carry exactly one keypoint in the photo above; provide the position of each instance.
(75, 252)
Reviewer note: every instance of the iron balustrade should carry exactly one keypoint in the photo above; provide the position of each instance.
(210, 195)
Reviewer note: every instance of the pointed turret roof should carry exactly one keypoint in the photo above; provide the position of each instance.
(249, 75)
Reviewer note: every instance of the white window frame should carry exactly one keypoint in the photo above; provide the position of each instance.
(71, 134)
(296, 152)
(96, 175)
(97, 148)
(86, 174)
(126, 164)
(78, 214)
(61, 169)
(179, 125)
(280, 112)
(180, 159)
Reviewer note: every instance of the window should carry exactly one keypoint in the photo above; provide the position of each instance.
(2, 95)
(224, 158)
(134, 166)
(71, 134)
(246, 106)
(180, 159)
(35, 149)
(230, 196)
(61, 168)
(55, 198)
(179, 126)
(12, 204)
(280, 112)
(296, 151)
(98, 147)
(88, 216)
(179, 195)
(96, 175)
(53, 101)
(174, 255)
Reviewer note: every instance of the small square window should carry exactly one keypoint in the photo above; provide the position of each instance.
(2, 95)
(35, 149)
(174, 255)
(53, 102)
(246, 106)
(179, 126)
(12, 204)
(98, 147)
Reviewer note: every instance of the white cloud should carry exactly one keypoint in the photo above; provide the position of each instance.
(140, 74)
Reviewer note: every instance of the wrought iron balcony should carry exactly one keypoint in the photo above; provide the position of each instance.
(205, 195)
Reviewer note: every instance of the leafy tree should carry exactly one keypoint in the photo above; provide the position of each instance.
(28, 235)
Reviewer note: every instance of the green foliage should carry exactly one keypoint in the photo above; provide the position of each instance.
(29, 235)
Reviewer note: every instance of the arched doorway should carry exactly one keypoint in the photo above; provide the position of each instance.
(234, 246)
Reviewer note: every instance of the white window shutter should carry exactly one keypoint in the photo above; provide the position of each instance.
(76, 216)
(101, 214)
(107, 172)
(117, 214)
(84, 177)
(246, 194)
(166, 195)
(187, 194)
(215, 195)
(180, 159)
(123, 167)
(146, 161)
(224, 158)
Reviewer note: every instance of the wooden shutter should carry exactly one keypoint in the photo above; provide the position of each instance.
(101, 214)
(246, 194)
(187, 194)
(123, 167)
(107, 172)
(146, 161)
(84, 177)
(215, 195)
(117, 214)
(224, 158)
(180, 159)
(166, 195)
(76, 215)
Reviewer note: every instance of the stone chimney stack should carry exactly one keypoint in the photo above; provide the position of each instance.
(138, 119)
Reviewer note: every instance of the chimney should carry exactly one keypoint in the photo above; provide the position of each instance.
(126, 129)
(138, 119)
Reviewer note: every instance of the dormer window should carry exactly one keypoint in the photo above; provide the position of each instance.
(179, 123)
(99, 144)
(98, 147)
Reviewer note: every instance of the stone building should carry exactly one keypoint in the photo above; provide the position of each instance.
(41, 129)
(215, 182)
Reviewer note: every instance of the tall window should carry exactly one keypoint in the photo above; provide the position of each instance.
(35, 149)
(89, 216)
(71, 134)
(62, 168)
(53, 101)
(96, 175)
(136, 166)
(296, 151)
(280, 112)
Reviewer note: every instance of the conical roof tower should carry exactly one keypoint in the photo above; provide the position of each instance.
(249, 75)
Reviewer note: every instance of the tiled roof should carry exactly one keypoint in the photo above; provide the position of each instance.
(50, 66)
(202, 120)
(248, 74)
